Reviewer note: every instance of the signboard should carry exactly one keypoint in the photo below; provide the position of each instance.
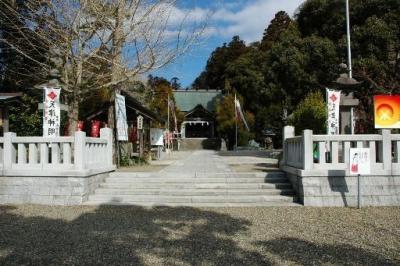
(387, 111)
(51, 112)
(140, 122)
(333, 101)
(120, 114)
(157, 136)
(360, 161)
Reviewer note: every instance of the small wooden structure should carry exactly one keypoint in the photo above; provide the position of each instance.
(5, 100)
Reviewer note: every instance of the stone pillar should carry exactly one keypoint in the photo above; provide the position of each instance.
(386, 149)
(9, 151)
(6, 123)
(288, 132)
(79, 150)
(307, 149)
(183, 130)
(106, 133)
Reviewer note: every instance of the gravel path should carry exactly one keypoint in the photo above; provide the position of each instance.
(85, 235)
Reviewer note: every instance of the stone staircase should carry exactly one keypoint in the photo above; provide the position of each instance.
(195, 189)
(189, 144)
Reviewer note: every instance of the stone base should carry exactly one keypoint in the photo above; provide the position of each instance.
(66, 190)
(342, 191)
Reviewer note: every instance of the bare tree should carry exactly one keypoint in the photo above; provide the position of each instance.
(101, 44)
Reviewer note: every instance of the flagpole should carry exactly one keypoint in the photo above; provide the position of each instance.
(168, 122)
(236, 126)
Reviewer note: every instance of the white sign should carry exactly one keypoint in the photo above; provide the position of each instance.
(140, 122)
(360, 161)
(120, 114)
(51, 112)
(157, 136)
(333, 101)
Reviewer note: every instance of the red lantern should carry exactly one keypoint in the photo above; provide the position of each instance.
(95, 130)
(80, 126)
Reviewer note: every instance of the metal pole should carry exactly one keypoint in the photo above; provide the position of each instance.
(358, 191)
(115, 131)
(352, 120)
(168, 147)
(236, 126)
(348, 39)
(349, 60)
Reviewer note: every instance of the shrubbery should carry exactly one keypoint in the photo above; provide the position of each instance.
(311, 114)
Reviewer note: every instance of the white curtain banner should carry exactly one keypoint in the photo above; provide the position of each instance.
(51, 112)
(120, 114)
(239, 113)
(333, 102)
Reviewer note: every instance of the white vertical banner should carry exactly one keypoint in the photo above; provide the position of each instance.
(333, 102)
(120, 115)
(51, 112)
(239, 113)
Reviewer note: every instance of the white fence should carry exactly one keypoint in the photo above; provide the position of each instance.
(61, 156)
(310, 152)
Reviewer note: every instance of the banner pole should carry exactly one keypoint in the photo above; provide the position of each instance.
(359, 191)
(236, 126)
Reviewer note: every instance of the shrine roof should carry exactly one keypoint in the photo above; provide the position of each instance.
(187, 100)
(9, 96)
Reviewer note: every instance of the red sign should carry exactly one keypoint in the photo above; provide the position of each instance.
(387, 111)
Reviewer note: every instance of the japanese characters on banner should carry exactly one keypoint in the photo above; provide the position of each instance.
(139, 121)
(333, 100)
(387, 111)
(51, 112)
(120, 114)
(360, 161)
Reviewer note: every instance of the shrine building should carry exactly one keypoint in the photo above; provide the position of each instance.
(199, 109)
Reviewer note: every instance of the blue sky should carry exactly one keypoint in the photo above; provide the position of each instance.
(225, 19)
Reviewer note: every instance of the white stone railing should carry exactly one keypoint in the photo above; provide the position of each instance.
(60, 156)
(321, 153)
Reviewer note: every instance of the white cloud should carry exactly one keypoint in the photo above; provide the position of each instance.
(248, 21)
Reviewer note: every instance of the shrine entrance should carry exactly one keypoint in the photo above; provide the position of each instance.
(199, 123)
(199, 129)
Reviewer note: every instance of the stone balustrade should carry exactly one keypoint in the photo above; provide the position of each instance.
(53, 171)
(310, 152)
(319, 168)
(60, 156)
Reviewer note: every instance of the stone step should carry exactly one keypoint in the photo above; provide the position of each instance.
(190, 199)
(193, 192)
(162, 180)
(194, 175)
(197, 205)
(200, 144)
(278, 185)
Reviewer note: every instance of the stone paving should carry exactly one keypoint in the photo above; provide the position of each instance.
(202, 161)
